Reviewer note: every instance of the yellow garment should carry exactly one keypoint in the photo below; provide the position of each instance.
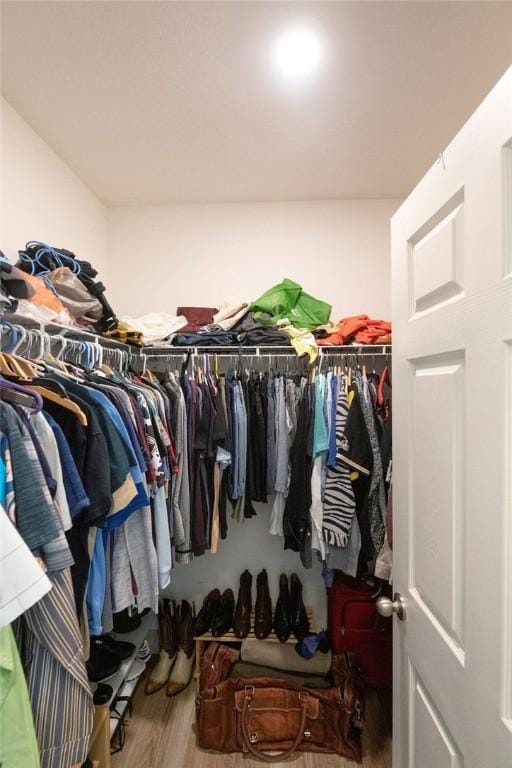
(302, 341)
(124, 333)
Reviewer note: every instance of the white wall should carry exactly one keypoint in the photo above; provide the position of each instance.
(166, 256)
(42, 199)
(248, 545)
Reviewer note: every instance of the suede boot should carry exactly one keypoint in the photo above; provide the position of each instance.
(183, 669)
(263, 610)
(282, 616)
(168, 649)
(242, 620)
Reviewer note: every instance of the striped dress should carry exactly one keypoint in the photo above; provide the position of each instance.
(339, 502)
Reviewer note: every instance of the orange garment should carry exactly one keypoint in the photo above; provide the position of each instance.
(43, 297)
(361, 329)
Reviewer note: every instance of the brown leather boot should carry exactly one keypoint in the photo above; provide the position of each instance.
(183, 669)
(168, 649)
(263, 610)
(242, 620)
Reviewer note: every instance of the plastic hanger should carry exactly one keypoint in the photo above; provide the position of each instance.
(17, 395)
(65, 402)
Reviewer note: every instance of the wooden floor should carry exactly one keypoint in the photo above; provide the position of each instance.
(161, 734)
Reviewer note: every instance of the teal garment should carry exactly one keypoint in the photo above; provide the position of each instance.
(320, 429)
(18, 744)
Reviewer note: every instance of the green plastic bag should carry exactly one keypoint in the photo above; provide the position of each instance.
(277, 302)
(310, 312)
(288, 300)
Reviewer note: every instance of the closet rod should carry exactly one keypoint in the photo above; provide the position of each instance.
(54, 329)
(254, 351)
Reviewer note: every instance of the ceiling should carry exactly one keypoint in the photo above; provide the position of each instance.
(178, 102)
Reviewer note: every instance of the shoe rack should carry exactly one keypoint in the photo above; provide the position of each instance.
(201, 641)
(123, 685)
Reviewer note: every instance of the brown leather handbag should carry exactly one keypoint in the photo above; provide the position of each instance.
(266, 715)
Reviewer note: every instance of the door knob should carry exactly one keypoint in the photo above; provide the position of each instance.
(387, 607)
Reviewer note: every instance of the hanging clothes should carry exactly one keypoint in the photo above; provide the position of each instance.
(180, 451)
(48, 634)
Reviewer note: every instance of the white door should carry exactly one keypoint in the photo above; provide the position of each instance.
(452, 413)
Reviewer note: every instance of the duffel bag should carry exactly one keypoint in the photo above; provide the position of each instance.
(273, 718)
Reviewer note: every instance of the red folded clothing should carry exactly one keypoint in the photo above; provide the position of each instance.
(197, 317)
(361, 329)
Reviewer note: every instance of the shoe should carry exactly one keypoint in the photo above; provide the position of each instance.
(242, 620)
(124, 622)
(282, 616)
(118, 648)
(223, 619)
(102, 664)
(263, 609)
(299, 617)
(181, 674)
(207, 613)
(159, 675)
(183, 669)
(102, 694)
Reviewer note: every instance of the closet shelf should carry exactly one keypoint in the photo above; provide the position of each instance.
(54, 329)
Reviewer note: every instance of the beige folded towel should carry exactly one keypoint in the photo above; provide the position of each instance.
(229, 314)
(243, 669)
(284, 656)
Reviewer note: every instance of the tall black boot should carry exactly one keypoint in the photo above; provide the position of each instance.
(282, 616)
(299, 617)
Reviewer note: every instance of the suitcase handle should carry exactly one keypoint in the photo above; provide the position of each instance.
(250, 741)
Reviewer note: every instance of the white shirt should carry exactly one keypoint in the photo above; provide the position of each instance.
(22, 579)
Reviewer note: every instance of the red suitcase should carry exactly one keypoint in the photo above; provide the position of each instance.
(356, 626)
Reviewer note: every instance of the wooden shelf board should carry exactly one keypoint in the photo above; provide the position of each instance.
(230, 636)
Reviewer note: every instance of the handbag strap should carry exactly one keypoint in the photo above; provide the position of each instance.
(303, 697)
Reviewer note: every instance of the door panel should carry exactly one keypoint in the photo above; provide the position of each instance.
(437, 257)
(437, 537)
(507, 644)
(452, 476)
(432, 743)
